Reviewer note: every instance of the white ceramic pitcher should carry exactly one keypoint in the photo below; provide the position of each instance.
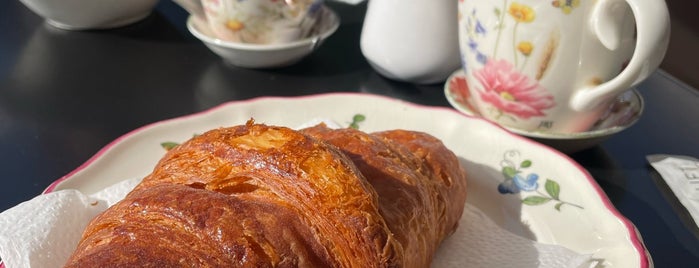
(412, 40)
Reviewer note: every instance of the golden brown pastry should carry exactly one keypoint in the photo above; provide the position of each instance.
(420, 184)
(265, 196)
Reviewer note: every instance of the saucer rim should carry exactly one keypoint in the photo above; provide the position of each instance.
(597, 133)
(330, 29)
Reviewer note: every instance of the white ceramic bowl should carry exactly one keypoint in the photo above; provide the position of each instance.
(622, 114)
(265, 55)
(90, 14)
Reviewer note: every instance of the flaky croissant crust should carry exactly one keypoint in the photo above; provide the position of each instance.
(265, 196)
(420, 184)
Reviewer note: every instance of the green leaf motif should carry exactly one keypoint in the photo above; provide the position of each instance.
(497, 12)
(509, 172)
(168, 145)
(553, 188)
(538, 196)
(535, 200)
(558, 206)
(356, 119)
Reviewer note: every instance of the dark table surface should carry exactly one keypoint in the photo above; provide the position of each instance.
(64, 95)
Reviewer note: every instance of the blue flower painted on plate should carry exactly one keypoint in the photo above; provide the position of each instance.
(519, 183)
(517, 180)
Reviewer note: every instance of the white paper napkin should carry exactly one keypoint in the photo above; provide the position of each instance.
(44, 231)
(479, 242)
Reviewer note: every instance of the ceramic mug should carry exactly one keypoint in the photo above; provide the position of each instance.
(556, 66)
(261, 21)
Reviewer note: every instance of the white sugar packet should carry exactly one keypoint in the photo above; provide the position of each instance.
(681, 173)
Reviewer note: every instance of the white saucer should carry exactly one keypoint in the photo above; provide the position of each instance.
(266, 55)
(623, 113)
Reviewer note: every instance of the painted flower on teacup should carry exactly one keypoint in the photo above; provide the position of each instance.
(503, 84)
(552, 66)
(511, 92)
(262, 21)
(566, 5)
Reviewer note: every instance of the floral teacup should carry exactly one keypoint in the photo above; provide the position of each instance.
(556, 66)
(261, 21)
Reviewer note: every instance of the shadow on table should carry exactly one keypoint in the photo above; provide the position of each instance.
(431, 94)
(219, 82)
(601, 165)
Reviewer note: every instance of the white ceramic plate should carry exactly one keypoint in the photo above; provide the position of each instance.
(570, 210)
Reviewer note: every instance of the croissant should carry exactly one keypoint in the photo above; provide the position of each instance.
(267, 196)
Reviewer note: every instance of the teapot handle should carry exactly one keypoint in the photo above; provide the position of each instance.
(653, 34)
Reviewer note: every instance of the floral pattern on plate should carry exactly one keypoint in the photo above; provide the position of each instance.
(516, 181)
